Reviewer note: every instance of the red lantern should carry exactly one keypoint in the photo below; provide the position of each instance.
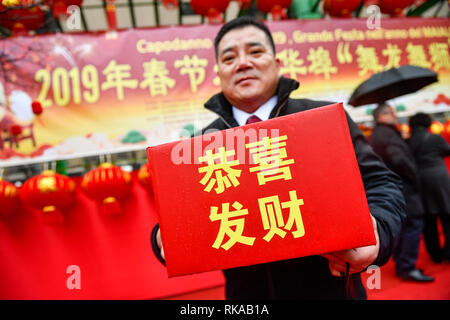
(145, 178)
(15, 130)
(59, 7)
(276, 8)
(36, 107)
(49, 192)
(9, 198)
(366, 130)
(19, 29)
(107, 184)
(405, 131)
(446, 133)
(170, 4)
(436, 127)
(22, 20)
(394, 7)
(10, 3)
(340, 8)
(211, 9)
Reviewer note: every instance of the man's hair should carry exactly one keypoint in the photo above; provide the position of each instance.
(240, 23)
(381, 107)
(420, 120)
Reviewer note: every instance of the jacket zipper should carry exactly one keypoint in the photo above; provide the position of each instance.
(281, 106)
(229, 126)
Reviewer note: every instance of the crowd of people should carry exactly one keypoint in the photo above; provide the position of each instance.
(419, 161)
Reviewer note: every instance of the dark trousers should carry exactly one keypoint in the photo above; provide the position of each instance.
(407, 249)
(431, 237)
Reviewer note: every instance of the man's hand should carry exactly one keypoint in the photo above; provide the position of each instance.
(358, 258)
(159, 243)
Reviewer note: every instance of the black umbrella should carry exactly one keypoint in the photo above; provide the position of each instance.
(392, 83)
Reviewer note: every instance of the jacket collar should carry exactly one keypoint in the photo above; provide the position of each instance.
(222, 107)
(392, 126)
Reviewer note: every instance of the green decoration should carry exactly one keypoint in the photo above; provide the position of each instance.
(133, 136)
(61, 167)
(369, 111)
(305, 9)
(400, 107)
(188, 130)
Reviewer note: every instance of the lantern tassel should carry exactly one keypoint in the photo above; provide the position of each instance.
(40, 121)
(37, 109)
(111, 206)
(52, 215)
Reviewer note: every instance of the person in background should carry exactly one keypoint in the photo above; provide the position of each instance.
(387, 141)
(254, 90)
(429, 151)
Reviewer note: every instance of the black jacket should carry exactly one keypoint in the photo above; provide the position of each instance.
(429, 151)
(395, 152)
(309, 277)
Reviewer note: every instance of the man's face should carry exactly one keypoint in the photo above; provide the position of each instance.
(247, 68)
(387, 116)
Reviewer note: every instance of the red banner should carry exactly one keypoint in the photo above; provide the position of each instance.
(127, 90)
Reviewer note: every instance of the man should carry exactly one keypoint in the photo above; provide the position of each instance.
(386, 140)
(251, 86)
(429, 151)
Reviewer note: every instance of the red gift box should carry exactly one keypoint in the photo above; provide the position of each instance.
(279, 189)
